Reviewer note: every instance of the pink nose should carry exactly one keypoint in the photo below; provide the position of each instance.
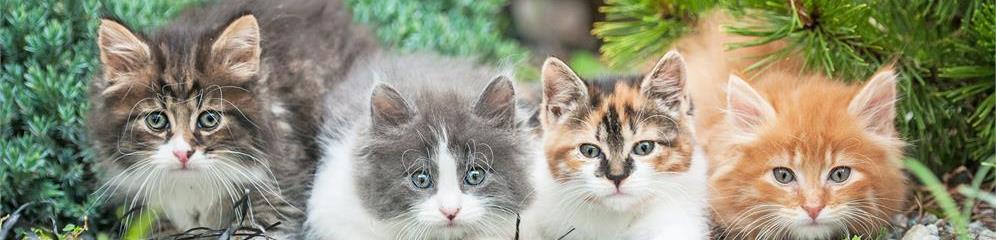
(814, 211)
(183, 156)
(450, 213)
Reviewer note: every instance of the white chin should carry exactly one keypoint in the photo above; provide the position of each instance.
(813, 231)
(450, 232)
(619, 203)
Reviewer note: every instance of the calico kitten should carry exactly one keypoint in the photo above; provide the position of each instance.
(188, 120)
(793, 156)
(621, 161)
(431, 153)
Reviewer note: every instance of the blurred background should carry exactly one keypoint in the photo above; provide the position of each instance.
(945, 51)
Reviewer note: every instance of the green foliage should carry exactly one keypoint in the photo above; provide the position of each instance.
(947, 78)
(635, 30)
(944, 51)
(142, 226)
(828, 32)
(48, 56)
(70, 232)
(458, 27)
(587, 65)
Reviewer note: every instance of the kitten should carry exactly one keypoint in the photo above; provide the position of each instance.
(797, 156)
(431, 153)
(621, 161)
(217, 104)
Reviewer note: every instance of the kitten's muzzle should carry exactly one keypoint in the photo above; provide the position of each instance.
(615, 171)
(183, 156)
(813, 211)
(450, 213)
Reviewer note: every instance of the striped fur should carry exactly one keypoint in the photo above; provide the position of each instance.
(258, 65)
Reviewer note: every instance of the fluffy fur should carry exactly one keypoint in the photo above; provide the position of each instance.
(621, 193)
(426, 116)
(215, 105)
(805, 123)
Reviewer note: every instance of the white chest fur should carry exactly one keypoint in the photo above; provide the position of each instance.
(189, 204)
(334, 209)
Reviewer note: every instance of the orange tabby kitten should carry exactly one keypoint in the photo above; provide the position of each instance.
(793, 156)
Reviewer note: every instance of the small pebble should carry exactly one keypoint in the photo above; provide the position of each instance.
(987, 234)
(922, 232)
(980, 230)
(901, 220)
(928, 219)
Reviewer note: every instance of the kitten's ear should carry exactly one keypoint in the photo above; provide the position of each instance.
(746, 109)
(875, 105)
(563, 90)
(123, 54)
(388, 107)
(665, 84)
(497, 103)
(236, 50)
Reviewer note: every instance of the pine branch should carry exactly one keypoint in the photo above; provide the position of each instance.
(636, 30)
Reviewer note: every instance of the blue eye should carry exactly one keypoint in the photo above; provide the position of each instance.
(475, 176)
(156, 121)
(590, 150)
(208, 120)
(422, 179)
(643, 148)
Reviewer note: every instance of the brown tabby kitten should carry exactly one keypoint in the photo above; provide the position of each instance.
(218, 104)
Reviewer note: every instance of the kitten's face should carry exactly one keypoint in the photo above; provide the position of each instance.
(178, 108)
(436, 170)
(617, 145)
(186, 136)
(813, 173)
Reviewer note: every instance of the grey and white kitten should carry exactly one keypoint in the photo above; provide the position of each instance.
(434, 151)
(219, 103)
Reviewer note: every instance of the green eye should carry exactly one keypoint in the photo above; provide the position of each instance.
(156, 121)
(783, 175)
(643, 148)
(475, 176)
(840, 174)
(422, 179)
(208, 120)
(590, 151)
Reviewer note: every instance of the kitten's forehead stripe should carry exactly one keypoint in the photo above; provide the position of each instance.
(630, 117)
(613, 131)
(448, 185)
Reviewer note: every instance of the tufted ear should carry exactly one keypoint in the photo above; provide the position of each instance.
(746, 109)
(123, 55)
(497, 103)
(875, 104)
(237, 49)
(388, 107)
(665, 83)
(563, 91)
